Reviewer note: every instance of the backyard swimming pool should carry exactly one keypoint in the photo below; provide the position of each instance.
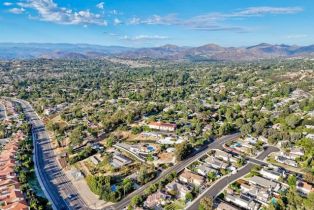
(151, 148)
(237, 144)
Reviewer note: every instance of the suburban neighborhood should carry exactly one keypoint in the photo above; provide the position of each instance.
(225, 147)
(156, 105)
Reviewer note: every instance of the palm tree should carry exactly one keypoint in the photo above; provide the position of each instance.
(127, 185)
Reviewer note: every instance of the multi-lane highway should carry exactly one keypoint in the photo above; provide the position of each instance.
(54, 182)
(56, 185)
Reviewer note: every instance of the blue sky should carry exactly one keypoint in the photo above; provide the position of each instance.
(146, 23)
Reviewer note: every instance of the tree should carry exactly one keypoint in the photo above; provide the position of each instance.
(246, 129)
(188, 196)
(211, 176)
(206, 203)
(292, 120)
(292, 180)
(309, 177)
(182, 150)
(240, 162)
(127, 185)
(145, 174)
(76, 137)
(136, 200)
(258, 127)
(111, 140)
(309, 202)
(239, 122)
(229, 115)
(225, 128)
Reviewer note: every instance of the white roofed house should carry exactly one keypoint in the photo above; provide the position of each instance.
(298, 152)
(215, 163)
(284, 160)
(204, 169)
(119, 160)
(243, 201)
(251, 140)
(261, 194)
(170, 140)
(180, 189)
(266, 183)
(223, 155)
(271, 174)
(291, 163)
(293, 154)
(310, 135)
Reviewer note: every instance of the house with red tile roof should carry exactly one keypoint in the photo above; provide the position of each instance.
(11, 197)
(304, 187)
(162, 126)
(21, 205)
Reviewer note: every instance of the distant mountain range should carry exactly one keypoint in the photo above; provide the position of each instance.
(210, 52)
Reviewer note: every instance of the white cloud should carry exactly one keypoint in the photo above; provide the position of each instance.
(222, 28)
(49, 11)
(134, 21)
(17, 10)
(257, 11)
(170, 19)
(7, 4)
(144, 38)
(101, 5)
(117, 21)
(162, 20)
(213, 21)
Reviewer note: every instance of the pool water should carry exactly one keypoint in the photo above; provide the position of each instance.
(114, 188)
(150, 148)
(236, 145)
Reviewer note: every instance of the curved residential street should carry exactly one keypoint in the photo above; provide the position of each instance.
(217, 187)
(57, 187)
(217, 144)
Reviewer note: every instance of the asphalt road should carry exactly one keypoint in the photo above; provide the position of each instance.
(56, 185)
(217, 187)
(178, 167)
(259, 159)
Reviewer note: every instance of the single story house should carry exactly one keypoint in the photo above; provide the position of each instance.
(215, 163)
(191, 178)
(271, 174)
(243, 201)
(266, 183)
(162, 126)
(304, 187)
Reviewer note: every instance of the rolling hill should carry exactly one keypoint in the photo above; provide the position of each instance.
(166, 52)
